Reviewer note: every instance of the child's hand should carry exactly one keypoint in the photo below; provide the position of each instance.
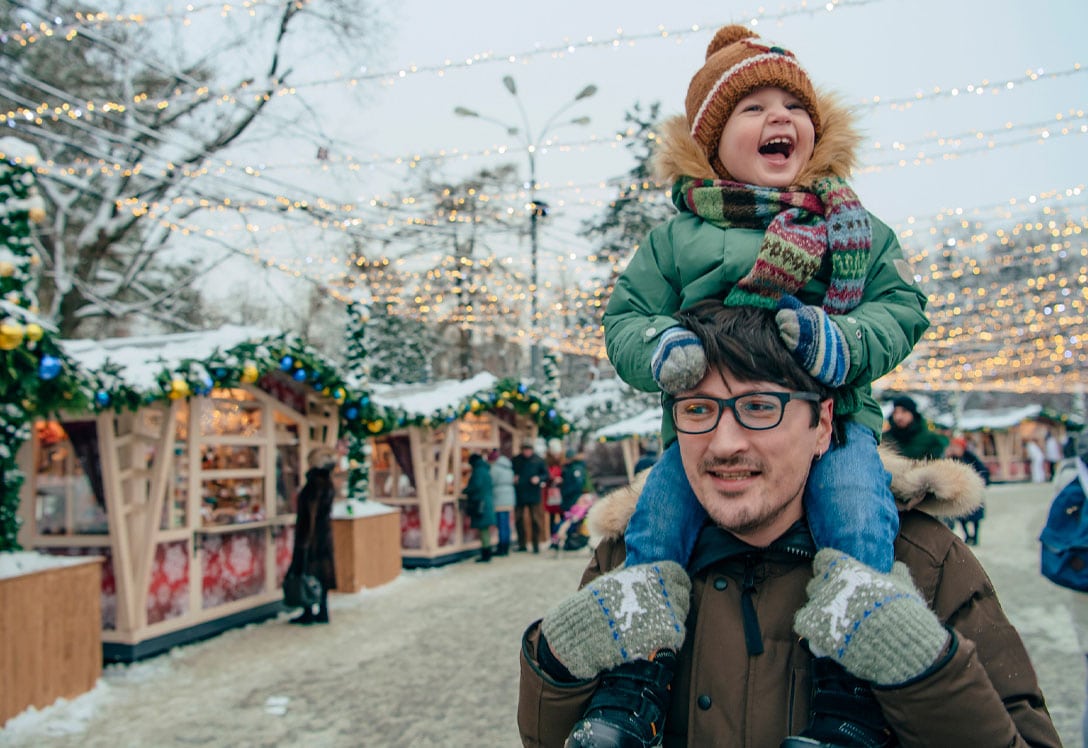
(679, 362)
(814, 340)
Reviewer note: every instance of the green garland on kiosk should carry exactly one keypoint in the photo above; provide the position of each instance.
(35, 375)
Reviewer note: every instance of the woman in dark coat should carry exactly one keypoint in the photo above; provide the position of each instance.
(479, 504)
(312, 552)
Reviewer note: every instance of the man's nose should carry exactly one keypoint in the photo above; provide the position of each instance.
(729, 437)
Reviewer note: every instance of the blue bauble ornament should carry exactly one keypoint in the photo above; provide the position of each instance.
(551, 413)
(220, 374)
(365, 399)
(299, 375)
(523, 388)
(286, 363)
(49, 367)
(102, 398)
(351, 413)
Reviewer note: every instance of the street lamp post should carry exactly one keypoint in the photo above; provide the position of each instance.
(537, 208)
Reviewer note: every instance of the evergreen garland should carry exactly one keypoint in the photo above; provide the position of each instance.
(35, 375)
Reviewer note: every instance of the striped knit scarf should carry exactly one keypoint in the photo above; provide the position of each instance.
(800, 228)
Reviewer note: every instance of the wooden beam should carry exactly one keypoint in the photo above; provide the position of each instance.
(161, 465)
(120, 541)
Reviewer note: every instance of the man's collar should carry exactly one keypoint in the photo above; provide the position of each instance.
(715, 544)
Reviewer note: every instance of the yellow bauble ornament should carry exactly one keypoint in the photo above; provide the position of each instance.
(11, 335)
(7, 269)
(34, 332)
(566, 428)
(375, 426)
(179, 388)
(249, 374)
(534, 408)
(500, 403)
(35, 209)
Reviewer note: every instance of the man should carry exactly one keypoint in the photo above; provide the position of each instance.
(734, 671)
(575, 480)
(959, 451)
(909, 432)
(530, 477)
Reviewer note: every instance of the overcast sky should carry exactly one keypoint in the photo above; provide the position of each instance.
(891, 49)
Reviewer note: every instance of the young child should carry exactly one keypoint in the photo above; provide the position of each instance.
(572, 518)
(766, 218)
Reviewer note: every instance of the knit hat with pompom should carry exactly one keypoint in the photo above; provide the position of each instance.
(736, 65)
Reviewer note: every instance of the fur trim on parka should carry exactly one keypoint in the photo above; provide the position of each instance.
(835, 154)
(942, 488)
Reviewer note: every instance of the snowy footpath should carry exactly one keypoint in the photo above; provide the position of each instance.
(431, 659)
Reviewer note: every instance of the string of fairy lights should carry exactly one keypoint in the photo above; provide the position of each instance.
(496, 285)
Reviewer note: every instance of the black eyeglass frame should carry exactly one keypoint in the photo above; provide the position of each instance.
(731, 404)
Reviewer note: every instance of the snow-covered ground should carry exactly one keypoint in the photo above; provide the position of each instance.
(431, 659)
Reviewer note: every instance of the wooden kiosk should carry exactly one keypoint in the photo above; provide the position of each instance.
(998, 437)
(629, 433)
(189, 497)
(421, 466)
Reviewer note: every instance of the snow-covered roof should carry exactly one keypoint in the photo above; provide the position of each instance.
(19, 150)
(425, 399)
(647, 423)
(999, 418)
(142, 358)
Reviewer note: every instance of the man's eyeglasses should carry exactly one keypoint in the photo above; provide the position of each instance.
(756, 411)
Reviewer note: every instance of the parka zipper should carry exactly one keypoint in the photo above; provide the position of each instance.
(753, 638)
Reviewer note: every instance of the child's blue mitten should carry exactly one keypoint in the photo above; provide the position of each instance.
(679, 362)
(814, 340)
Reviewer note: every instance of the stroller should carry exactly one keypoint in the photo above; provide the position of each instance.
(570, 535)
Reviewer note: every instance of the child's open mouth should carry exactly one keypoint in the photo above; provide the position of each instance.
(777, 147)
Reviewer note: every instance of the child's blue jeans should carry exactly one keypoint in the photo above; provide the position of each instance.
(848, 504)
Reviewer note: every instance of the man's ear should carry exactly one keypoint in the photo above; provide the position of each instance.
(825, 427)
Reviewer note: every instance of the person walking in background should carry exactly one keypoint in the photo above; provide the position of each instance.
(502, 496)
(1052, 452)
(575, 479)
(1036, 461)
(313, 552)
(530, 477)
(478, 503)
(959, 451)
(910, 434)
(553, 492)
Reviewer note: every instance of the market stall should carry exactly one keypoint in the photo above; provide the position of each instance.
(421, 465)
(187, 491)
(628, 435)
(998, 436)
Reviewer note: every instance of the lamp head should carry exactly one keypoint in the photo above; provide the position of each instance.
(586, 92)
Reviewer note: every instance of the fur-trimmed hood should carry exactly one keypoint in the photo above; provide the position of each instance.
(835, 154)
(942, 488)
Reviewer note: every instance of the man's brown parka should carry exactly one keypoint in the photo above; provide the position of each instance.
(727, 692)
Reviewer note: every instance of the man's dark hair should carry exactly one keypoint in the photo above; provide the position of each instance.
(744, 341)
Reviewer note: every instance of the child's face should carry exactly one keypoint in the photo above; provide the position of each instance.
(767, 139)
